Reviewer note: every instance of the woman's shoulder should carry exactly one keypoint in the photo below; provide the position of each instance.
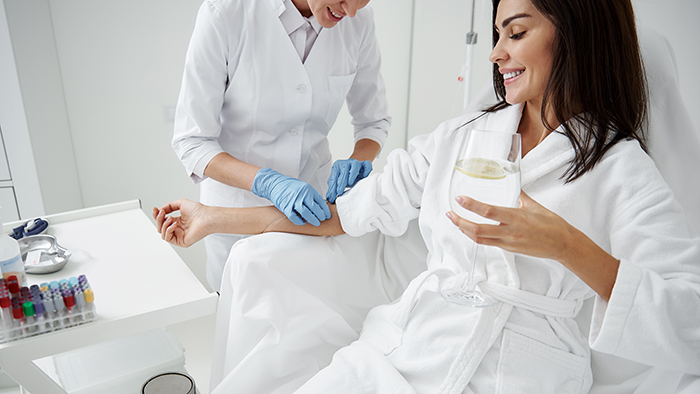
(629, 154)
(632, 170)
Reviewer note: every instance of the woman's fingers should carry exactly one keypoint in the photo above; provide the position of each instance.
(493, 212)
(485, 234)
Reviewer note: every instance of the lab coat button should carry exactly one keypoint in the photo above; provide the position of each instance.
(301, 88)
(293, 131)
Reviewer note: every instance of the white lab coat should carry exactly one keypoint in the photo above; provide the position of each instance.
(528, 342)
(245, 91)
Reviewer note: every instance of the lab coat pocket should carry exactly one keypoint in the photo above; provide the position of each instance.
(529, 366)
(338, 88)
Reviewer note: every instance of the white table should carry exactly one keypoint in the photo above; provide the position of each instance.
(140, 283)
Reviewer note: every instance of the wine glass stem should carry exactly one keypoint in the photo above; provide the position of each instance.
(470, 283)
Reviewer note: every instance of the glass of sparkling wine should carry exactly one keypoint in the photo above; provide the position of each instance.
(487, 170)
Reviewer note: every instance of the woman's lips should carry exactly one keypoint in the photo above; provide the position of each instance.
(510, 77)
(333, 16)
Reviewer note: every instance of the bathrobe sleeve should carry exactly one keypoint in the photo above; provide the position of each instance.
(653, 315)
(387, 201)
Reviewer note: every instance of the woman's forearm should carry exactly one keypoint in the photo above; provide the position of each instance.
(196, 221)
(266, 219)
(590, 262)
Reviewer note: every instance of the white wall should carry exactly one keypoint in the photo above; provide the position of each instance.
(678, 21)
(439, 52)
(17, 144)
(42, 94)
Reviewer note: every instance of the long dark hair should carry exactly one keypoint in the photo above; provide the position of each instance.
(597, 77)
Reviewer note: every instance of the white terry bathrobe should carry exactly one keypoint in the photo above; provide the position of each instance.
(528, 342)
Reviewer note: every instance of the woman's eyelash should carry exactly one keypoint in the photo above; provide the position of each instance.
(516, 36)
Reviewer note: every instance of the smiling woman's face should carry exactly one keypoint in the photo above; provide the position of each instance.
(329, 12)
(524, 50)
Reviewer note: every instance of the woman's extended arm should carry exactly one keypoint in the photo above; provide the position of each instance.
(196, 221)
(533, 230)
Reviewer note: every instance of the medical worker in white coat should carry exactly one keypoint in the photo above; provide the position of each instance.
(263, 84)
(596, 219)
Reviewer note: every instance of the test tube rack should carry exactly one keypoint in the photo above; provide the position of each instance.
(35, 310)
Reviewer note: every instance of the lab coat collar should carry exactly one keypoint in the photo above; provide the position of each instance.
(291, 18)
(278, 6)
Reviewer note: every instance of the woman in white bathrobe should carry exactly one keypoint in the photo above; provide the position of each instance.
(595, 219)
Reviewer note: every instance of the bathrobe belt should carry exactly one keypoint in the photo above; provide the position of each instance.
(545, 305)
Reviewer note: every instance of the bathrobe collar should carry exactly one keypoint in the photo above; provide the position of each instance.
(549, 155)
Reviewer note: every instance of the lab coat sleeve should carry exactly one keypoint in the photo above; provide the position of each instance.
(389, 200)
(197, 122)
(366, 99)
(653, 315)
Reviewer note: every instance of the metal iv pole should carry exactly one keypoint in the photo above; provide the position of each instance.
(471, 41)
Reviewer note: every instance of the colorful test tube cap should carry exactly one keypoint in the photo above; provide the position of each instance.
(28, 309)
(13, 285)
(89, 296)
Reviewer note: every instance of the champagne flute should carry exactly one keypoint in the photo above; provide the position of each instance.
(487, 170)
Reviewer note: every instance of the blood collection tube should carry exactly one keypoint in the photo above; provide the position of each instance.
(54, 285)
(69, 301)
(13, 286)
(29, 317)
(41, 322)
(25, 295)
(18, 316)
(60, 308)
(6, 306)
(79, 304)
(52, 320)
(89, 304)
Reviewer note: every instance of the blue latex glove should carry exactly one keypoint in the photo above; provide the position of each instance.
(296, 199)
(346, 173)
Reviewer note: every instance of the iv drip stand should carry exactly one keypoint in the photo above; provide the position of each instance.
(471, 41)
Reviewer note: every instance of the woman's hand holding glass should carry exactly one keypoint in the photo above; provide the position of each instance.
(533, 230)
(528, 229)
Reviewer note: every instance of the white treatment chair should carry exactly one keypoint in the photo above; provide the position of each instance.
(674, 144)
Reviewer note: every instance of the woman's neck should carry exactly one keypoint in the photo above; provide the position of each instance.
(531, 128)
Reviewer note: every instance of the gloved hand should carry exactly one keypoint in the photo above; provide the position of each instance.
(346, 173)
(296, 199)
